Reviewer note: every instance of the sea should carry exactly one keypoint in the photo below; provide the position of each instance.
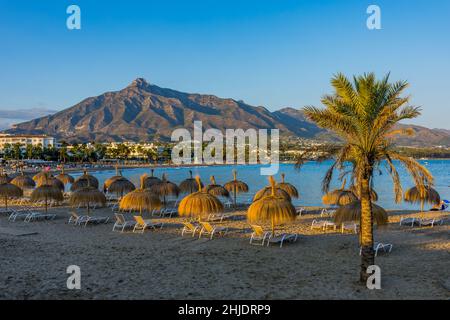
(307, 179)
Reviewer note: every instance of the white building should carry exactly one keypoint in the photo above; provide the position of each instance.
(24, 140)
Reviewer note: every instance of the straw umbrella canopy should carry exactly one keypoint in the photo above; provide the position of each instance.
(140, 199)
(23, 181)
(64, 177)
(8, 190)
(289, 188)
(87, 196)
(165, 188)
(267, 191)
(373, 193)
(189, 185)
(235, 186)
(40, 176)
(271, 208)
(151, 180)
(352, 212)
(426, 195)
(121, 186)
(46, 191)
(51, 181)
(216, 189)
(84, 181)
(199, 204)
(339, 197)
(108, 181)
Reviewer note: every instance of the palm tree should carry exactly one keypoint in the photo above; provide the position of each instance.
(364, 114)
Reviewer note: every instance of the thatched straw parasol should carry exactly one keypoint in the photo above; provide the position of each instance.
(84, 181)
(426, 195)
(108, 181)
(236, 186)
(121, 186)
(47, 191)
(199, 204)
(189, 185)
(352, 212)
(51, 181)
(151, 180)
(165, 188)
(271, 208)
(339, 197)
(373, 193)
(64, 177)
(40, 176)
(267, 191)
(140, 199)
(87, 196)
(216, 189)
(8, 190)
(23, 181)
(289, 188)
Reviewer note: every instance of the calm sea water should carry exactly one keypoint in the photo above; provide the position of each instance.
(307, 180)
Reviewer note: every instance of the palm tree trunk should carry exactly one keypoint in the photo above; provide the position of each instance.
(235, 197)
(273, 228)
(367, 252)
(6, 202)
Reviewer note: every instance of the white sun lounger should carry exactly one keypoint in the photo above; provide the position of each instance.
(190, 228)
(259, 236)
(386, 247)
(349, 227)
(20, 214)
(121, 223)
(409, 221)
(430, 222)
(327, 213)
(324, 225)
(33, 216)
(209, 230)
(79, 220)
(143, 224)
(282, 238)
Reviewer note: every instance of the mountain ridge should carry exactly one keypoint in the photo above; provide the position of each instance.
(143, 111)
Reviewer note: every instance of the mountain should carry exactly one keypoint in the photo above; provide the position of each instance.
(144, 111)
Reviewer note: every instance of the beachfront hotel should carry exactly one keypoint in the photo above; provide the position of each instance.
(34, 140)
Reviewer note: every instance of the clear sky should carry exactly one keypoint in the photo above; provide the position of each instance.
(270, 53)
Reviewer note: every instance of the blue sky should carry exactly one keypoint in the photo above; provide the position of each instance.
(270, 53)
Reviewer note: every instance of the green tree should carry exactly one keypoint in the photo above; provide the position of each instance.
(7, 151)
(364, 114)
(17, 151)
(29, 151)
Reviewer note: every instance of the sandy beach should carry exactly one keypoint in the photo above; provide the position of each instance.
(163, 265)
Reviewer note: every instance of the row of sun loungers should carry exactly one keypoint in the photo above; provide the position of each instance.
(384, 247)
(203, 228)
(80, 220)
(28, 214)
(261, 237)
(420, 222)
(138, 224)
